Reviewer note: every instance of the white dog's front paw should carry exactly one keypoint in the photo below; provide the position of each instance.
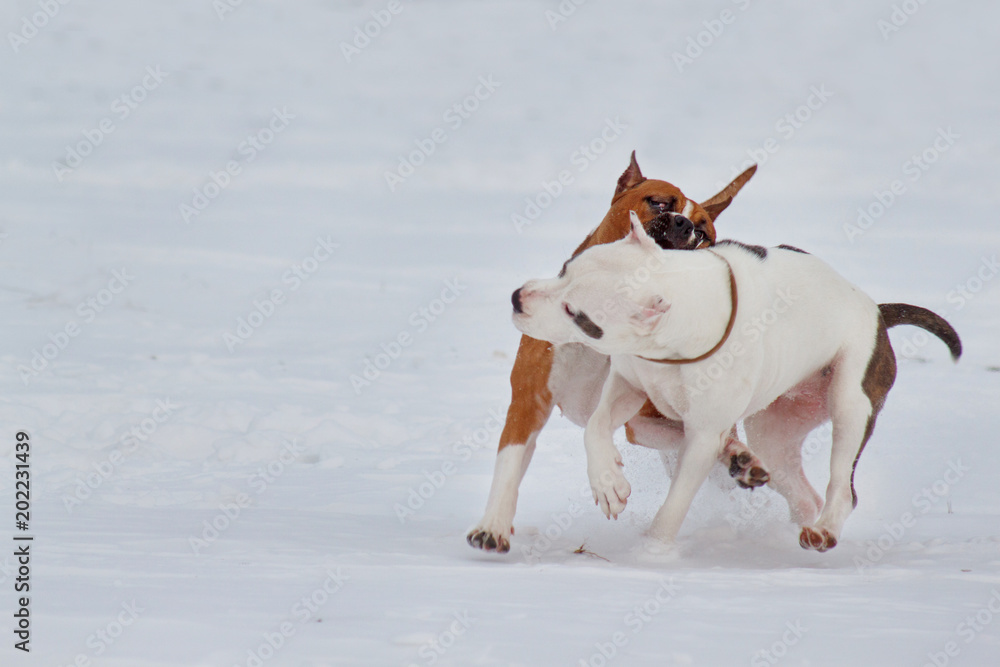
(609, 486)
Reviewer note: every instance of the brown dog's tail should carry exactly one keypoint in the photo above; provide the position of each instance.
(894, 314)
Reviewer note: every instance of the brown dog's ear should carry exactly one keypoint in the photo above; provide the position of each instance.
(630, 178)
(717, 204)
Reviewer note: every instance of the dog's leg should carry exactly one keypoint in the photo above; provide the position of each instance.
(777, 434)
(619, 402)
(492, 533)
(850, 410)
(856, 396)
(701, 450)
(651, 429)
(530, 407)
(648, 428)
(744, 466)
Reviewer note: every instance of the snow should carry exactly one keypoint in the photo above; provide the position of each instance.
(302, 474)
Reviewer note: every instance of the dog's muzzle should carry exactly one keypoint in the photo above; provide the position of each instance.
(515, 300)
(672, 231)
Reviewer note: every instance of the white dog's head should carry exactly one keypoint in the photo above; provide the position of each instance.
(604, 297)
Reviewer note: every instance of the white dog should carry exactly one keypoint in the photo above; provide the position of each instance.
(713, 337)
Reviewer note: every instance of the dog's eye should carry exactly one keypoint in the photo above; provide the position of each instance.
(568, 310)
(660, 205)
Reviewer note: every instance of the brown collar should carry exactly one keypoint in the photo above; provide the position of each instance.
(734, 301)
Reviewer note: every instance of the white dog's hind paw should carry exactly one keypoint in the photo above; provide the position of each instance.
(489, 539)
(819, 539)
(611, 490)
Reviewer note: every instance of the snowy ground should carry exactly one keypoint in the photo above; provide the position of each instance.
(149, 424)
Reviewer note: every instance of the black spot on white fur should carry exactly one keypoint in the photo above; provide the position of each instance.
(587, 325)
(758, 250)
(792, 248)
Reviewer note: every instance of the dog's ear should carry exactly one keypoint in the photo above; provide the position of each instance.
(638, 233)
(630, 178)
(645, 317)
(717, 204)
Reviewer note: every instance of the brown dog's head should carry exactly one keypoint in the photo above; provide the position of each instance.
(671, 219)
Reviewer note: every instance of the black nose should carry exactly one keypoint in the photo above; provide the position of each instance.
(683, 225)
(515, 299)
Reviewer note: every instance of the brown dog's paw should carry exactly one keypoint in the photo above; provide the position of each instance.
(819, 539)
(488, 541)
(747, 470)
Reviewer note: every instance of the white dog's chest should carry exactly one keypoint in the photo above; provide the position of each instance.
(577, 377)
(664, 385)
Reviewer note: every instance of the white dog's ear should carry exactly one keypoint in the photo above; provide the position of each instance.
(647, 316)
(638, 233)
(637, 230)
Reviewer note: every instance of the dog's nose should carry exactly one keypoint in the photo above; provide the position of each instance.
(515, 299)
(683, 224)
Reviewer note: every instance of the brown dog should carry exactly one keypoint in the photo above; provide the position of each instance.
(571, 376)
